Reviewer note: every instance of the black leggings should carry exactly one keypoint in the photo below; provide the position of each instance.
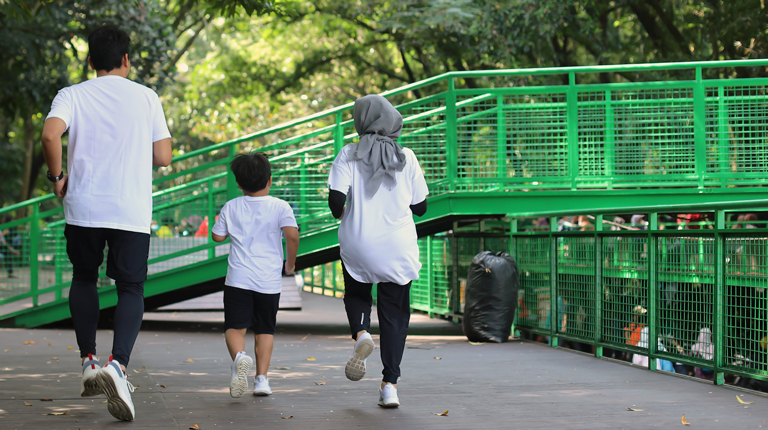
(394, 310)
(127, 265)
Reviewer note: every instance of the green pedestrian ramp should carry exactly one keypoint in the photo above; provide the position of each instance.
(492, 144)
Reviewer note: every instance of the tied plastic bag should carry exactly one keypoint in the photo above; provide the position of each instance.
(490, 300)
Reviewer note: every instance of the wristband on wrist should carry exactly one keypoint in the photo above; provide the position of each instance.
(55, 179)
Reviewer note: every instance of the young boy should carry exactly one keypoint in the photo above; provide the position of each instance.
(252, 286)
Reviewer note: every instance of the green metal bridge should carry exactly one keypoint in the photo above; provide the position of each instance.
(500, 149)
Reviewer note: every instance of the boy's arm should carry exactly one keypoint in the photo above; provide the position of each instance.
(218, 238)
(292, 248)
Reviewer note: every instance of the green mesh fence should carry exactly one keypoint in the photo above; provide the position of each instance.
(699, 292)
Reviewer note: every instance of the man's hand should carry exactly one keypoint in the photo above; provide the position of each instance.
(60, 188)
(289, 270)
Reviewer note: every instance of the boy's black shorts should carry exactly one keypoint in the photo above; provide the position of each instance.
(250, 309)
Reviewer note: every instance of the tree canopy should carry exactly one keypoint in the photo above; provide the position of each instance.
(227, 68)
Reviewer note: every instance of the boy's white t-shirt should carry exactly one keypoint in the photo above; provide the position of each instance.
(112, 124)
(377, 236)
(256, 254)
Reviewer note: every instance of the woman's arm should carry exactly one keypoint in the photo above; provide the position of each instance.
(419, 209)
(336, 200)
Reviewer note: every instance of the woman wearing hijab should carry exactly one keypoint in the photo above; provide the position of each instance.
(383, 187)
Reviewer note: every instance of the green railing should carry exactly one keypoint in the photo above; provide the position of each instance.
(509, 135)
(673, 281)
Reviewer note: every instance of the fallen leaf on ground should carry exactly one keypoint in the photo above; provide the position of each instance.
(633, 409)
(288, 417)
(29, 342)
(742, 401)
(194, 427)
(311, 359)
(444, 414)
(6, 350)
(57, 413)
(140, 370)
(438, 358)
(49, 344)
(302, 338)
(282, 368)
(27, 404)
(684, 422)
(54, 358)
(189, 360)
(104, 401)
(69, 347)
(319, 383)
(163, 386)
(136, 387)
(476, 343)
(46, 400)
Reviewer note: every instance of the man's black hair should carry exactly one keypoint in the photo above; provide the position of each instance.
(107, 46)
(252, 171)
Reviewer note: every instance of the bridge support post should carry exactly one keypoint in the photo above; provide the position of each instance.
(34, 242)
(653, 333)
(553, 311)
(719, 298)
(598, 286)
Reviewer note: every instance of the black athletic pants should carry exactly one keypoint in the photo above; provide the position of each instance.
(127, 265)
(394, 310)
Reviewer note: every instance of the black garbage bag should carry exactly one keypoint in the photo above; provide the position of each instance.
(490, 300)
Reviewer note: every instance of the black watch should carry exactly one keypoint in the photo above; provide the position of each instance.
(55, 178)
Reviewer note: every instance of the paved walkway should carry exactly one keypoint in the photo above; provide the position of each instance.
(181, 368)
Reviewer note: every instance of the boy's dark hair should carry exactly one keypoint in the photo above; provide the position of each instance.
(107, 46)
(252, 171)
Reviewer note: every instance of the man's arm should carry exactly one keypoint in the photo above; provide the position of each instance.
(162, 153)
(53, 129)
(292, 248)
(217, 238)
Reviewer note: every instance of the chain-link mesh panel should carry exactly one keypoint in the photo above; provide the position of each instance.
(685, 304)
(533, 264)
(595, 135)
(624, 289)
(746, 304)
(576, 286)
(737, 126)
(653, 132)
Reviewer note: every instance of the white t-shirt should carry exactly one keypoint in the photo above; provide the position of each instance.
(112, 124)
(377, 236)
(256, 255)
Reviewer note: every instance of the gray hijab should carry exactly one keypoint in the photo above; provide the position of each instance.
(379, 124)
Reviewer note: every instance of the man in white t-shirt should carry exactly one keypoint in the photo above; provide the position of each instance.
(383, 186)
(117, 132)
(255, 222)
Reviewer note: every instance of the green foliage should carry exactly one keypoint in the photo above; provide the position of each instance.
(228, 68)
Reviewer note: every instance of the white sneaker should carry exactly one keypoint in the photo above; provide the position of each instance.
(240, 367)
(388, 397)
(89, 385)
(262, 387)
(114, 383)
(355, 369)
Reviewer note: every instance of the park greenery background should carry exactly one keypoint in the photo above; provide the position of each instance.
(228, 68)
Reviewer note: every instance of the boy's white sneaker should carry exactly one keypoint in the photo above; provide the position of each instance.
(89, 385)
(355, 368)
(262, 387)
(238, 384)
(114, 383)
(388, 397)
